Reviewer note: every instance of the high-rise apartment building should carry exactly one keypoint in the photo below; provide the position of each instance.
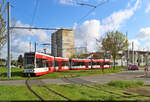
(62, 43)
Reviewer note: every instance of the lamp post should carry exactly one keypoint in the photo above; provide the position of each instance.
(91, 62)
(103, 61)
(8, 43)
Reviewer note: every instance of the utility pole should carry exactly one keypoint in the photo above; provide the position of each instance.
(128, 56)
(30, 46)
(55, 46)
(133, 53)
(103, 61)
(127, 50)
(8, 41)
(35, 47)
(86, 47)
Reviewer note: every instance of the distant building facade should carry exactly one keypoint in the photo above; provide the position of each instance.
(62, 43)
(2, 62)
(140, 57)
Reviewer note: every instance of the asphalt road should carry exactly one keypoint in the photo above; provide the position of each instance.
(100, 79)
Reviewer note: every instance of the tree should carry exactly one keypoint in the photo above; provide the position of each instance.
(3, 35)
(20, 60)
(113, 43)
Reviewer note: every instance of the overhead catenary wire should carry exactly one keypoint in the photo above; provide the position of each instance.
(90, 11)
(34, 12)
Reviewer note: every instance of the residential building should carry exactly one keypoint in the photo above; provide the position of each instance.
(62, 43)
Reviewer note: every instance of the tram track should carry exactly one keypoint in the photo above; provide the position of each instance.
(82, 82)
(42, 84)
(32, 91)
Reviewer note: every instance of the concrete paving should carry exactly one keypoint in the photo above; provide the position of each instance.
(100, 79)
(126, 75)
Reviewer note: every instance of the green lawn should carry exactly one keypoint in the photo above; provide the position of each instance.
(17, 73)
(8, 92)
(105, 92)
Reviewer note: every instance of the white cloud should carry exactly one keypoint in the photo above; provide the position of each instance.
(20, 39)
(147, 46)
(147, 9)
(128, 4)
(66, 2)
(19, 46)
(20, 33)
(114, 21)
(144, 34)
(88, 31)
(70, 2)
(92, 29)
(136, 44)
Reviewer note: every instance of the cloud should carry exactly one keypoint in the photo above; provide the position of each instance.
(88, 32)
(136, 44)
(20, 33)
(114, 21)
(144, 33)
(19, 46)
(67, 2)
(128, 4)
(147, 10)
(70, 2)
(91, 30)
(146, 46)
(20, 39)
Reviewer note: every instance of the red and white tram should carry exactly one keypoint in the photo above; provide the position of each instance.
(61, 64)
(78, 64)
(38, 64)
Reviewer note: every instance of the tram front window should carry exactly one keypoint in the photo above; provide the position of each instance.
(29, 60)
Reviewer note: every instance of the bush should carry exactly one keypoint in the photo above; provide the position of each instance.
(125, 84)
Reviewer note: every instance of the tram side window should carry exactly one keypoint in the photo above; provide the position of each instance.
(78, 63)
(95, 63)
(106, 63)
(47, 64)
(56, 63)
(64, 63)
(40, 62)
(51, 63)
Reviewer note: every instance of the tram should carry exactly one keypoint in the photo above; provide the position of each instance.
(36, 64)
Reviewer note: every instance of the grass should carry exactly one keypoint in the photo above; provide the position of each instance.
(125, 84)
(106, 92)
(18, 73)
(45, 94)
(8, 92)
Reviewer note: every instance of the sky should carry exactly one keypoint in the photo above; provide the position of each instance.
(127, 16)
